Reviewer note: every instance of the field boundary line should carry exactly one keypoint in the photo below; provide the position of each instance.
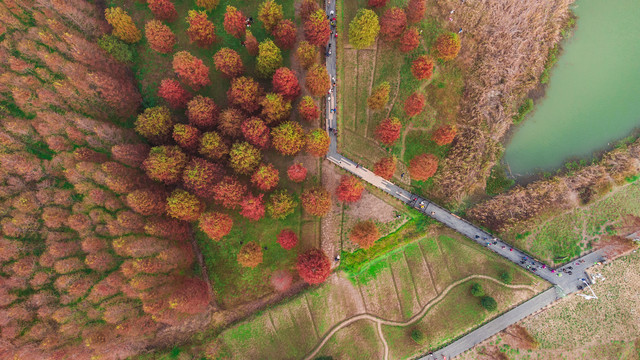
(395, 286)
(433, 283)
(413, 280)
(313, 321)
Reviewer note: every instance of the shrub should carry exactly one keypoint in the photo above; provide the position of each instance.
(288, 138)
(422, 67)
(386, 167)
(489, 303)
(350, 189)
(275, 108)
(202, 112)
(297, 172)
(285, 34)
(253, 207)
(269, 58)
(266, 177)
(317, 142)
(155, 124)
(123, 26)
(364, 233)
(379, 97)
(173, 93)
(250, 255)
(523, 110)
(447, 46)
(251, 43)
(287, 239)
(244, 157)
(307, 54)
(165, 164)
(423, 166)
(317, 80)
(393, 23)
(212, 146)
(228, 62)
(388, 131)
(234, 22)
(417, 335)
(410, 40)
(160, 37)
(416, 9)
(201, 31)
(444, 134)
(281, 204)
(308, 109)
(191, 70)
(245, 93)
(163, 9)
(477, 290)
(317, 28)
(216, 225)
(506, 277)
(270, 14)
(363, 29)
(116, 48)
(313, 266)
(256, 132)
(316, 201)
(285, 83)
(182, 205)
(414, 104)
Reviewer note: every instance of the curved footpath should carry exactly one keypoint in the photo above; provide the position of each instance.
(564, 283)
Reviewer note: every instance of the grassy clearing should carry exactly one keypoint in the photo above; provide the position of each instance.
(358, 341)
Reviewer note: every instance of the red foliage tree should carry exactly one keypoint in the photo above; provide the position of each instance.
(287, 239)
(388, 131)
(308, 109)
(386, 167)
(201, 31)
(423, 166)
(155, 124)
(186, 136)
(244, 157)
(234, 22)
(216, 225)
(130, 154)
(165, 164)
(288, 138)
(317, 80)
(202, 112)
(285, 83)
(160, 36)
(228, 192)
(364, 233)
(250, 255)
(281, 280)
(307, 8)
(414, 104)
(191, 70)
(163, 9)
(173, 93)
(266, 177)
(256, 132)
(230, 122)
(251, 43)
(313, 266)
(281, 204)
(377, 3)
(200, 176)
(147, 202)
(212, 146)
(189, 295)
(350, 189)
(245, 93)
(444, 134)
(307, 54)
(448, 46)
(410, 40)
(253, 207)
(393, 23)
(416, 9)
(317, 142)
(182, 205)
(316, 201)
(285, 34)
(317, 29)
(422, 67)
(228, 62)
(297, 172)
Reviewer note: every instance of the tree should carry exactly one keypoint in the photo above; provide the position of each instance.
(123, 26)
(416, 10)
(422, 67)
(207, 4)
(317, 80)
(256, 132)
(202, 112)
(230, 122)
(307, 54)
(448, 46)
(281, 204)
(270, 14)
(379, 97)
(285, 34)
(266, 177)
(489, 303)
(253, 207)
(414, 104)
(285, 83)
(212, 146)
(189, 295)
(308, 7)
(191, 70)
(245, 93)
(173, 93)
(288, 138)
(444, 134)
(155, 124)
(506, 277)
(350, 189)
(182, 205)
(297, 172)
(377, 3)
(364, 233)
(228, 192)
(147, 201)
(313, 266)
(393, 23)
(250, 255)
(410, 40)
(308, 109)
(117, 48)
(251, 43)
(228, 62)
(363, 29)
(388, 131)
(423, 166)
(186, 136)
(200, 176)
(317, 142)
(244, 157)
(316, 201)
(477, 290)
(386, 167)
(269, 58)
(234, 22)
(281, 280)
(201, 31)
(165, 164)
(216, 225)
(163, 10)
(317, 28)
(287, 239)
(275, 108)
(160, 36)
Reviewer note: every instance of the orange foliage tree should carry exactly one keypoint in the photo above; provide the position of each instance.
(307, 54)
(201, 31)
(163, 9)
(251, 43)
(422, 67)
(288, 138)
(191, 70)
(256, 132)
(250, 255)
(182, 205)
(313, 266)
(316, 201)
(393, 23)
(414, 104)
(228, 192)
(448, 46)
(160, 36)
(416, 9)
(350, 189)
(245, 93)
(379, 96)
(423, 166)
(202, 112)
(200, 176)
(244, 157)
(230, 122)
(364, 233)
(297, 172)
(281, 204)
(287, 239)
(275, 108)
(189, 295)
(207, 4)
(308, 109)
(186, 136)
(308, 7)
(165, 164)
(123, 26)
(266, 177)
(253, 207)
(317, 142)
(285, 83)
(234, 22)
(155, 124)
(285, 34)
(270, 14)
(386, 167)
(444, 134)
(228, 62)
(317, 80)
(213, 146)
(147, 201)
(388, 131)
(216, 225)
(317, 29)
(410, 40)
(173, 93)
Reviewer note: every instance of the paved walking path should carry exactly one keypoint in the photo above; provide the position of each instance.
(566, 279)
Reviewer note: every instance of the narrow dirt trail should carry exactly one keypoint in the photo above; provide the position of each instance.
(384, 342)
(380, 321)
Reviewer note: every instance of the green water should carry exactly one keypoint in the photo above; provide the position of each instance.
(593, 97)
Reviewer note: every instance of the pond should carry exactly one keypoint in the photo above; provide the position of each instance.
(593, 97)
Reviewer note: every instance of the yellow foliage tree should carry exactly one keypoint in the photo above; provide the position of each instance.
(123, 26)
(207, 4)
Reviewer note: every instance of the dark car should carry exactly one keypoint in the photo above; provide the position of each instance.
(579, 287)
